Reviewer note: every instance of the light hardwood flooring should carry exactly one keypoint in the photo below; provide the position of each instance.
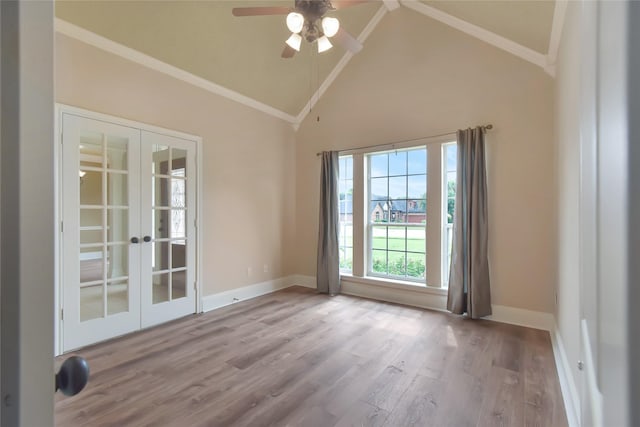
(296, 358)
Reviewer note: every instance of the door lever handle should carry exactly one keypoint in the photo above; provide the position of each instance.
(147, 239)
(135, 240)
(72, 376)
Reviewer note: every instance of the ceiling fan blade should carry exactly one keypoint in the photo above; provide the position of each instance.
(341, 4)
(288, 51)
(258, 11)
(348, 41)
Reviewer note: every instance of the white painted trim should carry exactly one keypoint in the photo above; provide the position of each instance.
(93, 39)
(61, 109)
(593, 395)
(522, 317)
(559, 13)
(222, 299)
(301, 280)
(419, 297)
(494, 39)
(568, 387)
(391, 5)
(339, 66)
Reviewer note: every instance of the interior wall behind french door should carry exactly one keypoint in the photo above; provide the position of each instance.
(128, 205)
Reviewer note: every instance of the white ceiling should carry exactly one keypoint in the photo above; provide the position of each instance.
(239, 57)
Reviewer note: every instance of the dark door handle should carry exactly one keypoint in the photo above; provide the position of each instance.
(134, 240)
(147, 239)
(72, 376)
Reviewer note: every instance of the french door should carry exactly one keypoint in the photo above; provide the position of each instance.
(128, 230)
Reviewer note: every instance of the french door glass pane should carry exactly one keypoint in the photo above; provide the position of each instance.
(91, 302)
(178, 284)
(160, 160)
(90, 187)
(160, 288)
(161, 192)
(161, 224)
(117, 153)
(117, 297)
(118, 264)
(178, 255)
(117, 189)
(117, 225)
(160, 256)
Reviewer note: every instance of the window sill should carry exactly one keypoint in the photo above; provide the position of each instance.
(394, 284)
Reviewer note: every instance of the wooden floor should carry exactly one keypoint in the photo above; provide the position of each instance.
(295, 358)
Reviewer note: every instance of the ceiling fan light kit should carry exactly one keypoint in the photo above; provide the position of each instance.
(307, 20)
(295, 40)
(330, 26)
(295, 22)
(324, 44)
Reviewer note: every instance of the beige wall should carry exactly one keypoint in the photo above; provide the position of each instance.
(568, 160)
(248, 186)
(416, 77)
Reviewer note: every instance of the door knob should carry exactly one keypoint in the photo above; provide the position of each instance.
(134, 240)
(72, 376)
(147, 239)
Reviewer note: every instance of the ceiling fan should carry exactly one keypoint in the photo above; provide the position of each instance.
(308, 19)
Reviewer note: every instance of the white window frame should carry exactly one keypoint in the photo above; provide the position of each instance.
(445, 210)
(341, 246)
(370, 225)
(435, 276)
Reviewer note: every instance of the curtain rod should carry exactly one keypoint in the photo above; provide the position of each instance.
(484, 127)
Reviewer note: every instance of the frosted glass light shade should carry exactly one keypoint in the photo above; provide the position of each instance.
(294, 41)
(324, 44)
(330, 26)
(295, 22)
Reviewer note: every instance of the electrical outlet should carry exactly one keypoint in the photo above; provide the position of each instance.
(266, 268)
(249, 271)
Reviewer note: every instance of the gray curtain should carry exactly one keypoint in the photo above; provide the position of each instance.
(469, 289)
(328, 273)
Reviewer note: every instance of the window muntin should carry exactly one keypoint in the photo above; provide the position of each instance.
(397, 201)
(345, 210)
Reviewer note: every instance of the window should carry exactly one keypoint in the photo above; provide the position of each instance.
(449, 156)
(399, 233)
(345, 206)
(397, 184)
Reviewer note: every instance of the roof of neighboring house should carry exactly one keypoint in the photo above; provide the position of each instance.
(346, 205)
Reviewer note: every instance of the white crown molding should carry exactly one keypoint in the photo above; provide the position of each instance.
(559, 13)
(340, 66)
(93, 39)
(494, 39)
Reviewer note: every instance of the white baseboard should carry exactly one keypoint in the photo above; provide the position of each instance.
(592, 396)
(211, 302)
(301, 280)
(570, 394)
(522, 317)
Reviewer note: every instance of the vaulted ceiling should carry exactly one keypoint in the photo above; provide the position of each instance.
(203, 41)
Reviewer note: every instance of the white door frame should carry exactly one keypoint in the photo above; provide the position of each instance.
(61, 109)
(27, 210)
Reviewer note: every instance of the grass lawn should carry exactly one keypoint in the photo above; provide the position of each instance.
(397, 244)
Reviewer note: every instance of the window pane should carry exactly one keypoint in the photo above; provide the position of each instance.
(416, 265)
(396, 263)
(416, 211)
(416, 239)
(417, 161)
(379, 188)
(379, 237)
(345, 206)
(378, 165)
(398, 163)
(379, 261)
(417, 186)
(398, 187)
